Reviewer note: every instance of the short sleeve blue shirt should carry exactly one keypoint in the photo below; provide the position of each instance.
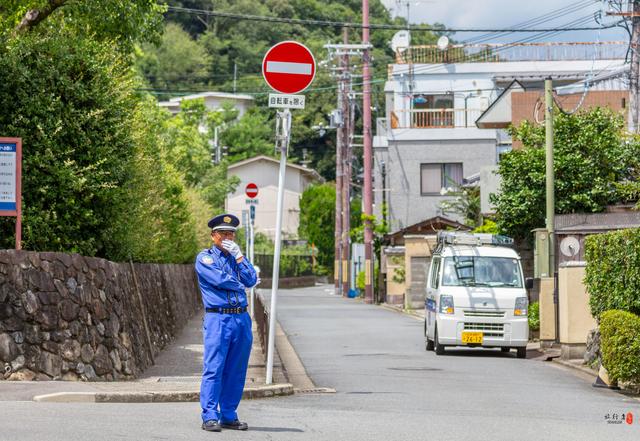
(222, 280)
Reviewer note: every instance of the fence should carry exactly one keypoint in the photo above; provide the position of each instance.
(290, 265)
(434, 118)
(261, 318)
(499, 52)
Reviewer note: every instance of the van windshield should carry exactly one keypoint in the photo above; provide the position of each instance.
(481, 271)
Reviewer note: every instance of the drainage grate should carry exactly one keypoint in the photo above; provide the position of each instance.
(315, 390)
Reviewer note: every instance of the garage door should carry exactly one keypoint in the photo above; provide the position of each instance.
(418, 286)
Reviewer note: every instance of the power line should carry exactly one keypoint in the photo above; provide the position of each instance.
(545, 18)
(339, 24)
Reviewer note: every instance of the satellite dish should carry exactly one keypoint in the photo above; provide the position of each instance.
(400, 41)
(570, 246)
(443, 42)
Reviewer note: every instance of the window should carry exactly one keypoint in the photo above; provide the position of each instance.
(435, 177)
(482, 271)
(435, 269)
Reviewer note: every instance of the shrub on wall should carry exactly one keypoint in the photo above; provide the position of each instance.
(613, 271)
(534, 316)
(620, 334)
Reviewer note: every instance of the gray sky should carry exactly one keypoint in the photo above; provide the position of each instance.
(504, 14)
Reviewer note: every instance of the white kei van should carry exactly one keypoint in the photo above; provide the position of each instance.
(476, 294)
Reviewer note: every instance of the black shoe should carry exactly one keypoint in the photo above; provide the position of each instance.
(211, 426)
(235, 425)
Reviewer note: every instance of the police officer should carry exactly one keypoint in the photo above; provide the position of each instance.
(223, 275)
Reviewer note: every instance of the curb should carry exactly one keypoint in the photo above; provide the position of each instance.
(269, 391)
(408, 312)
(577, 367)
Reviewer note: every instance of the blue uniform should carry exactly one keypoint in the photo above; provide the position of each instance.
(227, 337)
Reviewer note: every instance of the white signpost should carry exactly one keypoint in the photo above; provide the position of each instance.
(11, 181)
(288, 67)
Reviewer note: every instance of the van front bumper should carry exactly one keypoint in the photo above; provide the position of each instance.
(496, 332)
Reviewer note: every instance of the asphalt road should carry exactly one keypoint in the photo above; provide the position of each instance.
(387, 388)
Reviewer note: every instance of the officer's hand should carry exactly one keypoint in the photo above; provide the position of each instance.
(232, 248)
(258, 280)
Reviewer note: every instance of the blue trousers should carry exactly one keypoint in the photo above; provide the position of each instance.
(227, 345)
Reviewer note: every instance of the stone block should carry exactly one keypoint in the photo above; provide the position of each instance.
(8, 348)
(101, 361)
(23, 375)
(48, 318)
(50, 346)
(50, 364)
(69, 310)
(71, 350)
(18, 363)
(49, 297)
(30, 302)
(87, 353)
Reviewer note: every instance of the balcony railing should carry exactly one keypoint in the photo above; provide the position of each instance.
(434, 118)
(500, 52)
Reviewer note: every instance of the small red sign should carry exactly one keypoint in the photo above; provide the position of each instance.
(251, 190)
(288, 67)
(629, 418)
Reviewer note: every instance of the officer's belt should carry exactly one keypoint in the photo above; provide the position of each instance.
(238, 310)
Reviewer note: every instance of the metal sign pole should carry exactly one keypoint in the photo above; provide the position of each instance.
(283, 126)
(252, 215)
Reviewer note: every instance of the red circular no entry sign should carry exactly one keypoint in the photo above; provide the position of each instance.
(251, 190)
(288, 67)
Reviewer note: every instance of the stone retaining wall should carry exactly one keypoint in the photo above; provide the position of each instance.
(69, 317)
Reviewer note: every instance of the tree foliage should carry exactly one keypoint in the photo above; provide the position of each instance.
(317, 220)
(591, 155)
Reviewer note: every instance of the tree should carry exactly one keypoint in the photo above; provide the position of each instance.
(176, 63)
(123, 22)
(317, 220)
(465, 202)
(253, 135)
(591, 154)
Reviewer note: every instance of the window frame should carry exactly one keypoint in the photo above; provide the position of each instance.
(442, 176)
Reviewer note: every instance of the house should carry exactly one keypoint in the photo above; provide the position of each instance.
(429, 140)
(264, 172)
(212, 100)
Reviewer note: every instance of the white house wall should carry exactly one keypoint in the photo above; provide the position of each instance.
(265, 221)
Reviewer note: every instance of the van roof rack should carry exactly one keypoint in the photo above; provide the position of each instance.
(474, 239)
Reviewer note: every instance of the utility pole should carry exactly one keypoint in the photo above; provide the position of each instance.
(346, 163)
(367, 190)
(634, 68)
(337, 273)
(550, 196)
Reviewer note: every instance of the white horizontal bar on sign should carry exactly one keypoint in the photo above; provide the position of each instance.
(288, 68)
(286, 101)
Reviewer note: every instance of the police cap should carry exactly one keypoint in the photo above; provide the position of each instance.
(224, 222)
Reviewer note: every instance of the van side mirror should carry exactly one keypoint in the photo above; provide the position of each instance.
(528, 283)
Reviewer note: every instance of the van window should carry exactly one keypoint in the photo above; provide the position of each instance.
(482, 271)
(435, 269)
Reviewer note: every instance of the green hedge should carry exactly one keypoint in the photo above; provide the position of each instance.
(620, 345)
(613, 271)
(534, 316)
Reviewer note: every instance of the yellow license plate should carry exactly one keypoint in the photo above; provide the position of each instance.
(472, 337)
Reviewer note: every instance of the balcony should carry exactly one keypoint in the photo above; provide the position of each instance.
(503, 52)
(434, 118)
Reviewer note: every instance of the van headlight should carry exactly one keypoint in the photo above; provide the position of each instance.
(522, 305)
(446, 304)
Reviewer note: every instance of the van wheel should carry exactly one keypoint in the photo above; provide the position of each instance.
(428, 342)
(437, 346)
(505, 349)
(522, 352)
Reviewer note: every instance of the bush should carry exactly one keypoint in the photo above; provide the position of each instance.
(534, 316)
(613, 271)
(620, 345)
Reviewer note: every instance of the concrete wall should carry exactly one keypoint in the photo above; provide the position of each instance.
(69, 317)
(575, 316)
(416, 246)
(395, 290)
(547, 310)
(406, 205)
